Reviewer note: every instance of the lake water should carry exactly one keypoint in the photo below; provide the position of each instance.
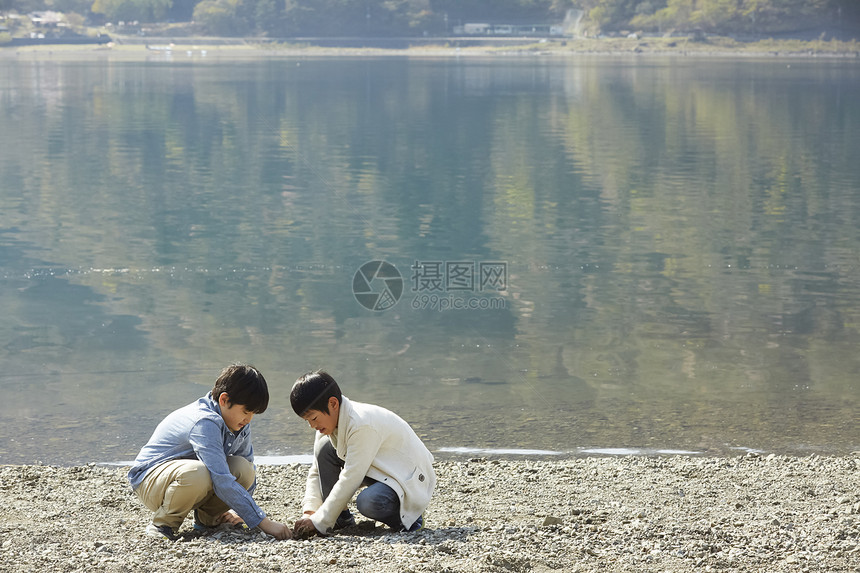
(589, 255)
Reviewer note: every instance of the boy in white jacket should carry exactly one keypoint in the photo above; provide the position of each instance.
(359, 445)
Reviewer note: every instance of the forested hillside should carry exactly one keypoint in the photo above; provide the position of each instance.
(291, 18)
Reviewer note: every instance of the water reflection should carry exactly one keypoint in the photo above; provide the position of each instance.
(679, 237)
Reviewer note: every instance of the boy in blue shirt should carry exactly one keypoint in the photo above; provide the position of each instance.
(200, 458)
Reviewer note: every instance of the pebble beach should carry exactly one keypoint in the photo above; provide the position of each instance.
(753, 512)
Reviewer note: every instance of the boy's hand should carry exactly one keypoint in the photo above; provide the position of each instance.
(304, 528)
(230, 517)
(275, 529)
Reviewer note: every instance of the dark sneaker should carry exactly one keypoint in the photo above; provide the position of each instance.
(198, 525)
(418, 525)
(345, 519)
(161, 532)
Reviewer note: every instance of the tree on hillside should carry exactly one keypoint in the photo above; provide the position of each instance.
(23, 6)
(501, 10)
(327, 17)
(69, 6)
(720, 16)
(181, 10)
(128, 10)
(357, 17)
(267, 17)
(774, 15)
(221, 17)
(609, 13)
(408, 16)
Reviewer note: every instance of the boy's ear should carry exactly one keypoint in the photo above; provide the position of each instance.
(224, 400)
(333, 404)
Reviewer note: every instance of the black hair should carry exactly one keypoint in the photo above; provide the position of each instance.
(312, 392)
(244, 385)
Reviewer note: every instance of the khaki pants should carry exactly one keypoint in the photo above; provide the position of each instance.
(172, 489)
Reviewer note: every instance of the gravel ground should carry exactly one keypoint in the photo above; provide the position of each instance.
(751, 513)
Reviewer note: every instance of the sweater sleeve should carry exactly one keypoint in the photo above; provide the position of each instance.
(361, 448)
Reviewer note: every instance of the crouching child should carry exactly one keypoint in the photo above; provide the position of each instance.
(359, 445)
(200, 458)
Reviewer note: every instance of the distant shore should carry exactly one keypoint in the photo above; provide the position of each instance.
(164, 47)
(774, 514)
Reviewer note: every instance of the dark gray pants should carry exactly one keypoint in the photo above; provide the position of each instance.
(377, 501)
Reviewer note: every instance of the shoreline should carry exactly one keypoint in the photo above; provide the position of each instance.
(460, 453)
(515, 455)
(636, 513)
(179, 48)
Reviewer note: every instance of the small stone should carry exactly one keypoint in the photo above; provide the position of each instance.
(550, 520)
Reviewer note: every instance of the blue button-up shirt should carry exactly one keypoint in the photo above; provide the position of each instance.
(198, 431)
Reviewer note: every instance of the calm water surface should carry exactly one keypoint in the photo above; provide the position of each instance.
(593, 255)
